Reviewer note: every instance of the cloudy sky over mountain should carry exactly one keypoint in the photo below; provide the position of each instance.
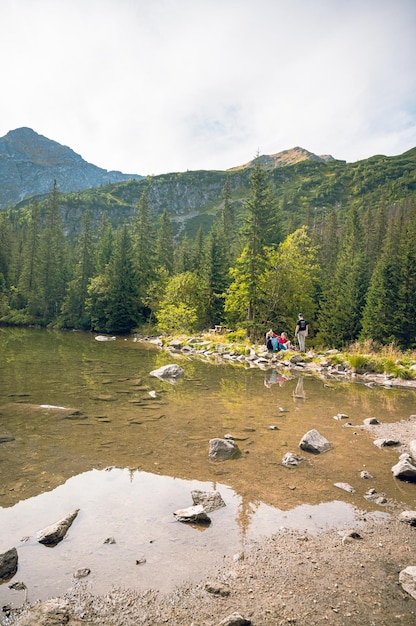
(154, 86)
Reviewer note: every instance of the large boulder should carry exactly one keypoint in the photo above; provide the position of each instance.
(407, 579)
(8, 564)
(405, 469)
(222, 449)
(314, 442)
(169, 373)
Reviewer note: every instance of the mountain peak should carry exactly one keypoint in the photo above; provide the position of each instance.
(25, 144)
(29, 164)
(286, 157)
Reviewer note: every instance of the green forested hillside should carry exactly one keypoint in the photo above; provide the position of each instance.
(305, 189)
(249, 248)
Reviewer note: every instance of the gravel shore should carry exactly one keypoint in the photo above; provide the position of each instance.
(348, 577)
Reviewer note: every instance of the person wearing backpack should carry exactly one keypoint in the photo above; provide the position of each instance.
(301, 331)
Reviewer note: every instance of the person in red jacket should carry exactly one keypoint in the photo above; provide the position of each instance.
(283, 342)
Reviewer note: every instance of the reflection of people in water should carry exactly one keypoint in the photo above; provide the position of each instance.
(299, 391)
(274, 378)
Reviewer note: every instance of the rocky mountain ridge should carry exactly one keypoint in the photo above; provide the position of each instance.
(29, 164)
(286, 157)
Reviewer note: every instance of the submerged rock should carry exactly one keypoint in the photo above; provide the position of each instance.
(345, 487)
(314, 442)
(170, 373)
(8, 564)
(222, 449)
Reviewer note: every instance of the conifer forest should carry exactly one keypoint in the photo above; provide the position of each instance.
(349, 267)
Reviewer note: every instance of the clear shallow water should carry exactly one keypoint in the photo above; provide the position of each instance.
(158, 451)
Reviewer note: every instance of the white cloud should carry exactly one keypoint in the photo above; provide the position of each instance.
(150, 86)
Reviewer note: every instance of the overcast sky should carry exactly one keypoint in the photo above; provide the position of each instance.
(156, 86)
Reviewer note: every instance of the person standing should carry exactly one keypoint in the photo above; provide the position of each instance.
(301, 331)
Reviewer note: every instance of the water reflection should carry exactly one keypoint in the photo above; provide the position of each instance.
(70, 406)
(126, 534)
(272, 377)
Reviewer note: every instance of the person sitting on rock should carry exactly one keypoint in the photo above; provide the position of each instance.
(283, 342)
(271, 341)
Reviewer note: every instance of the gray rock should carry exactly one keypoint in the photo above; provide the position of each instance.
(366, 475)
(371, 421)
(409, 517)
(210, 500)
(235, 619)
(405, 469)
(176, 344)
(291, 459)
(193, 514)
(82, 572)
(412, 449)
(169, 373)
(385, 443)
(407, 579)
(53, 534)
(217, 589)
(345, 487)
(222, 449)
(49, 613)
(8, 564)
(340, 416)
(314, 442)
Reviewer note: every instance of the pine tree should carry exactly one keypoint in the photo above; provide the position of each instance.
(261, 230)
(183, 260)
(164, 243)
(74, 312)
(144, 245)
(104, 244)
(390, 311)
(214, 276)
(343, 301)
(228, 222)
(406, 332)
(198, 251)
(52, 276)
(121, 311)
(5, 251)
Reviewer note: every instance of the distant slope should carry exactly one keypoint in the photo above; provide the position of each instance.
(286, 157)
(29, 164)
(306, 192)
(306, 186)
